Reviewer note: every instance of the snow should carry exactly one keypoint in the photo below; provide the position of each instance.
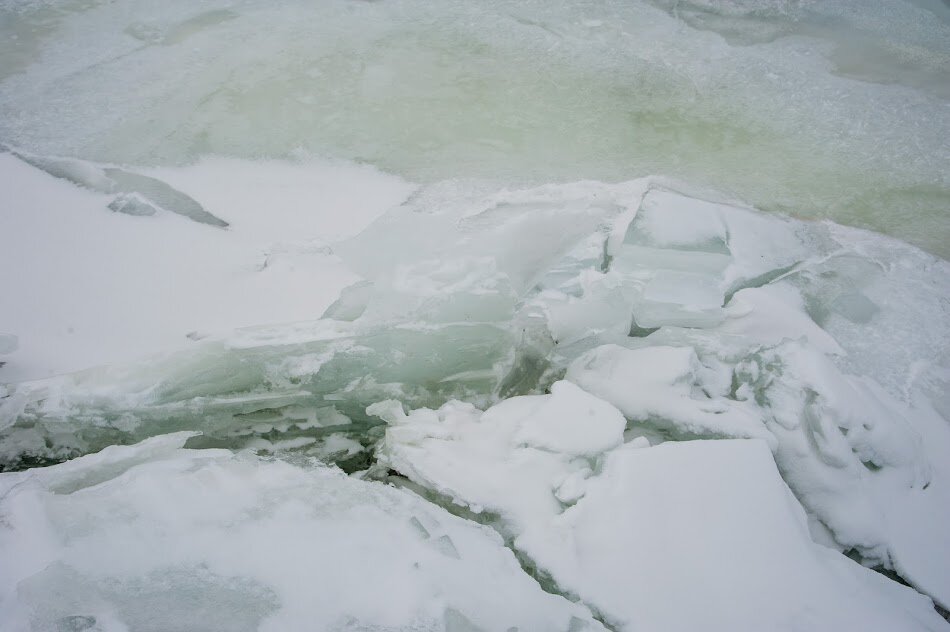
(664, 383)
(704, 535)
(705, 523)
(512, 459)
(366, 316)
(107, 288)
(156, 537)
(642, 392)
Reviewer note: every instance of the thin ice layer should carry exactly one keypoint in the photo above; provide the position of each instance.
(153, 537)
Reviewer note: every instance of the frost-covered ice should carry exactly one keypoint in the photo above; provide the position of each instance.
(106, 287)
(639, 532)
(453, 318)
(324, 315)
(154, 537)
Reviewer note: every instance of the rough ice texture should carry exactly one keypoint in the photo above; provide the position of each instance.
(640, 532)
(588, 321)
(579, 317)
(154, 537)
(705, 535)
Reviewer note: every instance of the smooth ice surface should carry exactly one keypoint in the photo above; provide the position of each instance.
(153, 537)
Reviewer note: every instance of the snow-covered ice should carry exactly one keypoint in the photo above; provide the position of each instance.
(467, 315)
(367, 316)
(106, 287)
(154, 537)
(619, 530)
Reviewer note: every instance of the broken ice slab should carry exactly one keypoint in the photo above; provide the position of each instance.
(163, 195)
(510, 459)
(681, 258)
(672, 260)
(214, 385)
(447, 290)
(132, 204)
(352, 302)
(669, 220)
(667, 388)
(138, 194)
(834, 288)
(710, 523)
(522, 233)
(127, 539)
(639, 530)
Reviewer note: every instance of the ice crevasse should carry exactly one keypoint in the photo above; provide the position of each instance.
(647, 407)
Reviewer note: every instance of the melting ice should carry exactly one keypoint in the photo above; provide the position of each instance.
(367, 316)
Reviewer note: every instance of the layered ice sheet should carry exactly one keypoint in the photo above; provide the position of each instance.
(533, 359)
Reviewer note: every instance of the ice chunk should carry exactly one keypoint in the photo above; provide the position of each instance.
(138, 192)
(570, 422)
(512, 458)
(707, 523)
(79, 172)
(352, 302)
(848, 451)
(664, 386)
(773, 313)
(711, 525)
(682, 258)
(210, 540)
(132, 204)
(162, 195)
(216, 383)
(670, 221)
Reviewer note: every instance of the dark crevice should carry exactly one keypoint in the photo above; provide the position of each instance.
(606, 259)
(636, 331)
(496, 523)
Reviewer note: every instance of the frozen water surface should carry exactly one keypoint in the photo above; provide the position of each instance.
(820, 109)
(370, 316)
